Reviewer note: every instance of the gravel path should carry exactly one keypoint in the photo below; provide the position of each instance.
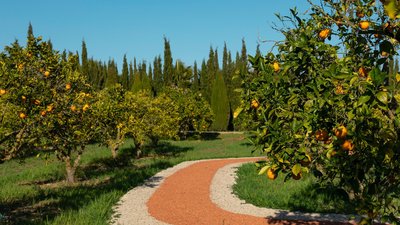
(199, 193)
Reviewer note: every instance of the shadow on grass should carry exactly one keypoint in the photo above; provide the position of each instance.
(102, 177)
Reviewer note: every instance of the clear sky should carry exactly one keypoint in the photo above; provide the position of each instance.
(112, 28)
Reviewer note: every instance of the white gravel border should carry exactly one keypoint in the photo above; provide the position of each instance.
(132, 209)
(222, 195)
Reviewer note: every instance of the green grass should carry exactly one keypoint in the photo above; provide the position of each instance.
(33, 192)
(302, 195)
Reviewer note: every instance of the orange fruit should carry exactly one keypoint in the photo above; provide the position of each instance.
(377, 36)
(362, 72)
(47, 73)
(364, 25)
(43, 113)
(347, 145)
(324, 33)
(23, 98)
(321, 135)
(85, 107)
(67, 86)
(3, 91)
(255, 104)
(276, 66)
(73, 108)
(339, 90)
(49, 108)
(22, 115)
(271, 174)
(384, 54)
(341, 132)
(36, 102)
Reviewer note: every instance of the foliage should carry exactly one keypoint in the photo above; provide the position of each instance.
(150, 118)
(50, 100)
(195, 113)
(111, 113)
(334, 115)
(220, 104)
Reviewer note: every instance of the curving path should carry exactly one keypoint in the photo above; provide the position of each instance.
(182, 196)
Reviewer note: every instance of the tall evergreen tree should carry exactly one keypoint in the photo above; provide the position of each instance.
(131, 76)
(30, 31)
(85, 65)
(168, 70)
(112, 74)
(195, 85)
(204, 81)
(125, 74)
(157, 75)
(220, 103)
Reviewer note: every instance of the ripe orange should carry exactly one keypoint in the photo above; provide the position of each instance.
(73, 108)
(47, 73)
(276, 66)
(67, 86)
(43, 113)
(347, 145)
(22, 115)
(23, 98)
(341, 132)
(362, 72)
(50, 108)
(364, 25)
(321, 135)
(254, 104)
(36, 102)
(85, 107)
(3, 91)
(271, 174)
(384, 54)
(324, 33)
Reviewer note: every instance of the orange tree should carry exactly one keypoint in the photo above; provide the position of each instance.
(111, 113)
(195, 113)
(150, 118)
(327, 104)
(48, 104)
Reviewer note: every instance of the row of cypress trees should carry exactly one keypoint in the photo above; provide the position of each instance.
(215, 83)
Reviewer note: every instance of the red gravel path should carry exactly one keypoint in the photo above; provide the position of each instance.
(184, 199)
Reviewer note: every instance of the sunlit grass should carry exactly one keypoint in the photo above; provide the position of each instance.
(33, 192)
(299, 195)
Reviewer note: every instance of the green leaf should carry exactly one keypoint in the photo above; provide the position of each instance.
(391, 8)
(363, 99)
(296, 169)
(263, 170)
(382, 96)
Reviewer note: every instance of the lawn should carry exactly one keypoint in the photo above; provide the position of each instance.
(297, 195)
(33, 192)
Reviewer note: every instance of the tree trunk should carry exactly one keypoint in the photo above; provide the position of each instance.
(114, 144)
(71, 166)
(114, 149)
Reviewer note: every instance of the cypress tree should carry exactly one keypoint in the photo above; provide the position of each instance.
(168, 70)
(125, 74)
(137, 83)
(30, 30)
(85, 66)
(195, 86)
(112, 74)
(220, 103)
(204, 82)
(131, 76)
(157, 74)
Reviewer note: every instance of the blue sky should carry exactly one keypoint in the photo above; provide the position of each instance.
(112, 28)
